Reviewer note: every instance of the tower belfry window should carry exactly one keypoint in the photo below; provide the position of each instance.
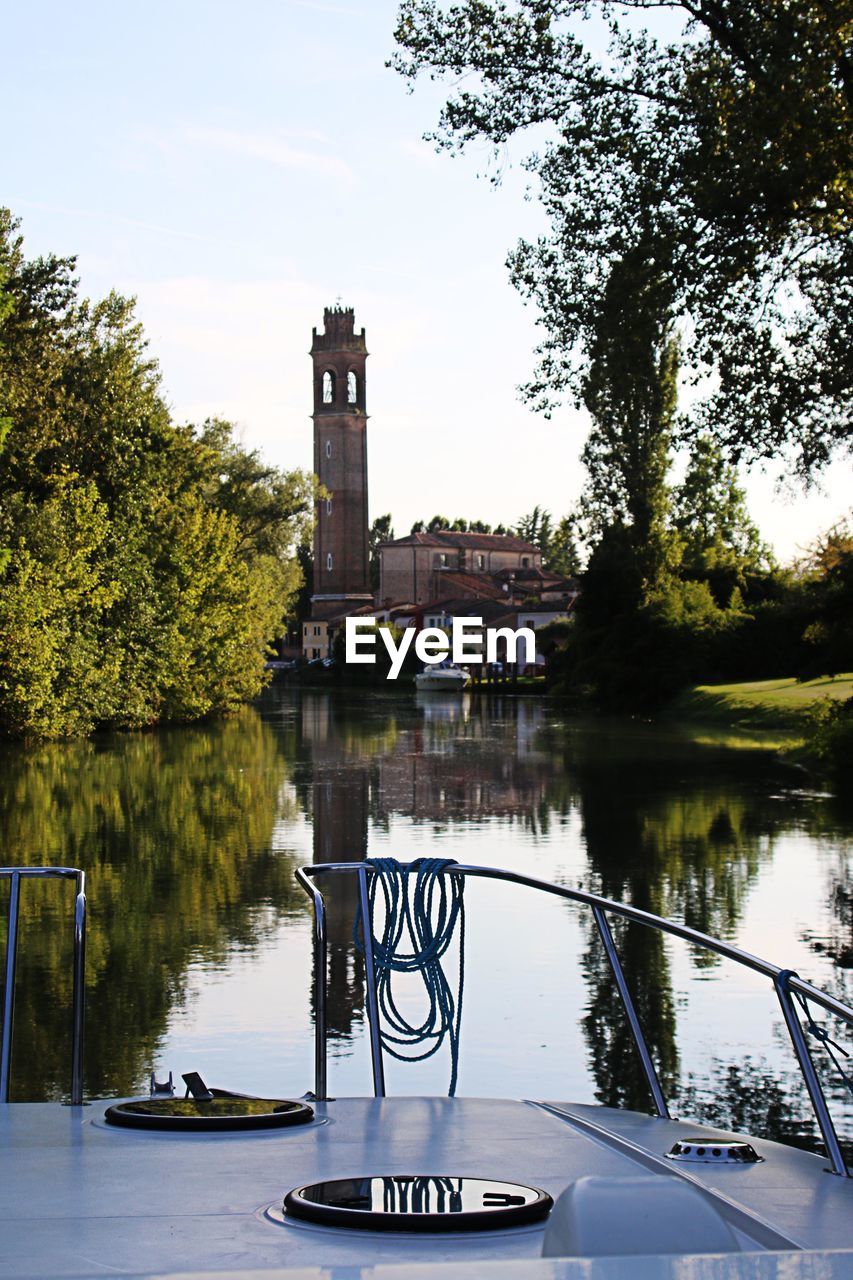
(328, 506)
(329, 560)
(328, 387)
(352, 388)
(328, 448)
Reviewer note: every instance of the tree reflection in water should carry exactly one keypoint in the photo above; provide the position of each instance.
(190, 837)
(667, 832)
(173, 831)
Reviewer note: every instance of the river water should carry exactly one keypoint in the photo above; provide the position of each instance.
(199, 948)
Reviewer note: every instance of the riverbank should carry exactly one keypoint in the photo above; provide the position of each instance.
(808, 722)
(787, 704)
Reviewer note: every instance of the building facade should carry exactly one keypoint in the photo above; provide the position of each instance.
(430, 566)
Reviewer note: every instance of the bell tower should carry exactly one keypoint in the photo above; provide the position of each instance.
(339, 355)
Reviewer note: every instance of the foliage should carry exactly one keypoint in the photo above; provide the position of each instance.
(720, 543)
(722, 152)
(149, 564)
(557, 543)
(439, 523)
(828, 590)
(632, 651)
(631, 394)
(382, 530)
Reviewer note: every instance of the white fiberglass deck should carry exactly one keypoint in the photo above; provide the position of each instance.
(81, 1198)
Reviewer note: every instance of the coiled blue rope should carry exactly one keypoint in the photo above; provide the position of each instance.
(420, 921)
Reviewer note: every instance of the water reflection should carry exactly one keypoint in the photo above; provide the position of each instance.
(190, 837)
(173, 832)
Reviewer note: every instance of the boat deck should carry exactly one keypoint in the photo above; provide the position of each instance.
(79, 1197)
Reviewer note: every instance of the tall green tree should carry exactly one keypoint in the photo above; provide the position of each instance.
(631, 394)
(725, 149)
(149, 564)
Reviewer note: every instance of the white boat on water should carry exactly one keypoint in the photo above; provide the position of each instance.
(378, 1188)
(442, 678)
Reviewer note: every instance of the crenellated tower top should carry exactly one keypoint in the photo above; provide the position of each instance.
(339, 332)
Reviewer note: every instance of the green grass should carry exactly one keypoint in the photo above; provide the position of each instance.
(761, 704)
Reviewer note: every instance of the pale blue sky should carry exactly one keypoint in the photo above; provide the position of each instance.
(238, 167)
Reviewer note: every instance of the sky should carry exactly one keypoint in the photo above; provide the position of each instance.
(237, 167)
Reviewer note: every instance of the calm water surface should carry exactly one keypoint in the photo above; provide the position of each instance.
(199, 938)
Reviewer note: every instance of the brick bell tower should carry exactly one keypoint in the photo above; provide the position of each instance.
(341, 571)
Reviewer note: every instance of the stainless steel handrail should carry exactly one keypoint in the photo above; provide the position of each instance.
(784, 981)
(16, 875)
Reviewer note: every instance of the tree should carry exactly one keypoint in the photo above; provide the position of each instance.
(720, 543)
(382, 530)
(537, 528)
(725, 151)
(631, 394)
(149, 564)
(564, 556)
(440, 524)
(827, 572)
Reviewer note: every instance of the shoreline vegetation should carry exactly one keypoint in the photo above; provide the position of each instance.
(789, 705)
(807, 722)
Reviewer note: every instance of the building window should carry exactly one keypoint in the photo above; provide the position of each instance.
(328, 448)
(328, 506)
(329, 560)
(442, 560)
(328, 387)
(352, 388)
(481, 562)
(316, 631)
(525, 562)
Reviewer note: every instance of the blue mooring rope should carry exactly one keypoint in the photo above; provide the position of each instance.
(815, 1029)
(423, 917)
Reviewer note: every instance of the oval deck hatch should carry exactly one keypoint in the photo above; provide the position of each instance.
(223, 1112)
(418, 1202)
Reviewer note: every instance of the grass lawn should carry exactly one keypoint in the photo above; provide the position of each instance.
(760, 704)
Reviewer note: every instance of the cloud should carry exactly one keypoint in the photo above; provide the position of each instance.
(423, 152)
(272, 149)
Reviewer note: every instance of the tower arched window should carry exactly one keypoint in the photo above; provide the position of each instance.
(328, 506)
(352, 388)
(328, 387)
(328, 448)
(329, 560)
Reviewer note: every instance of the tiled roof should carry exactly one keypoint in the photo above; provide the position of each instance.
(337, 609)
(481, 585)
(469, 541)
(465, 607)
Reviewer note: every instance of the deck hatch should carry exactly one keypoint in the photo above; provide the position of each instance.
(222, 1111)
(418, 1203)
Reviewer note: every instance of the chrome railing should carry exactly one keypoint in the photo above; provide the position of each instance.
(784, 982)
(16, 875)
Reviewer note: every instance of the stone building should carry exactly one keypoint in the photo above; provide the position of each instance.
(430, 566)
